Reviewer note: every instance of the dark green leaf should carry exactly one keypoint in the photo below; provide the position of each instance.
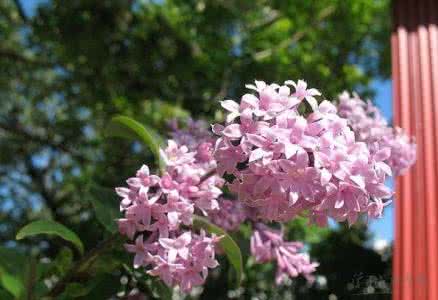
(63, 261)
(75, 290)
(5, 295)
(12, 271)
(161, 290)
(51, 228)
(11, 260)
(232, 250)
(105, 204)
(102, 287)
(21, 268)
(105, 264)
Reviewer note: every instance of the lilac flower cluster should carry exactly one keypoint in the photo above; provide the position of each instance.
(284, 162)
(229, 216)
(158, 212)
(198, 136)
(231, 213)
(284, 154)
(267, 245)
(372, 128)
(193, 134)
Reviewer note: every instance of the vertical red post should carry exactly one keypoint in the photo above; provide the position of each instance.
(414, 44)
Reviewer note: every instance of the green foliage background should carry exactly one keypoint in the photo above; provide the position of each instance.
(70, 67)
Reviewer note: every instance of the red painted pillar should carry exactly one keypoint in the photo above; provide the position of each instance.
(414, 44)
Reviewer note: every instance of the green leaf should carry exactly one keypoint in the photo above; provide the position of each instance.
(12, 261)
(300, 229)
(101, 287)
(106, 206)
(161, 290)
(11, 283)
(75, 290)
(232, 250)
(51, 228)
(125, 127)
(105, 264)
(13, 267)
(63, 261)
(157, 137)
(5, 295)
(16, 269)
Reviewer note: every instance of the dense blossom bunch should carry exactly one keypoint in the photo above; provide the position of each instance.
(283, 154)
(197, 135)
(267, 245)
(231, 213)
(158, 211)
(194, 134)
(284, 162)
(229, 216)
(371, 127)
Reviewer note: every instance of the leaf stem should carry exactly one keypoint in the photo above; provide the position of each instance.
(30, 284)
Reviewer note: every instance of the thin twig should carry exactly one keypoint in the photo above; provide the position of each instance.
(30, 284)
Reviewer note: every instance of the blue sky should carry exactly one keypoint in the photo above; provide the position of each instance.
(29, 6)
(382, 228)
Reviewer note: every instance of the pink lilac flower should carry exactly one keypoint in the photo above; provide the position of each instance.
(191, 134)
(127, 227)
(141, 251)
(155, 208)
(177, 246)
(229, 216)
(185, 260)
(284, 162)
(371, 128)
(301, 92)
(268, 245)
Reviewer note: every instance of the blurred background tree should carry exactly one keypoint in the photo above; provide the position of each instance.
(68, 67)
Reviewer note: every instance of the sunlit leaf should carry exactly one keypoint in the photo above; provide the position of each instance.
(51, 228)
(11, 283)
(125, 127)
